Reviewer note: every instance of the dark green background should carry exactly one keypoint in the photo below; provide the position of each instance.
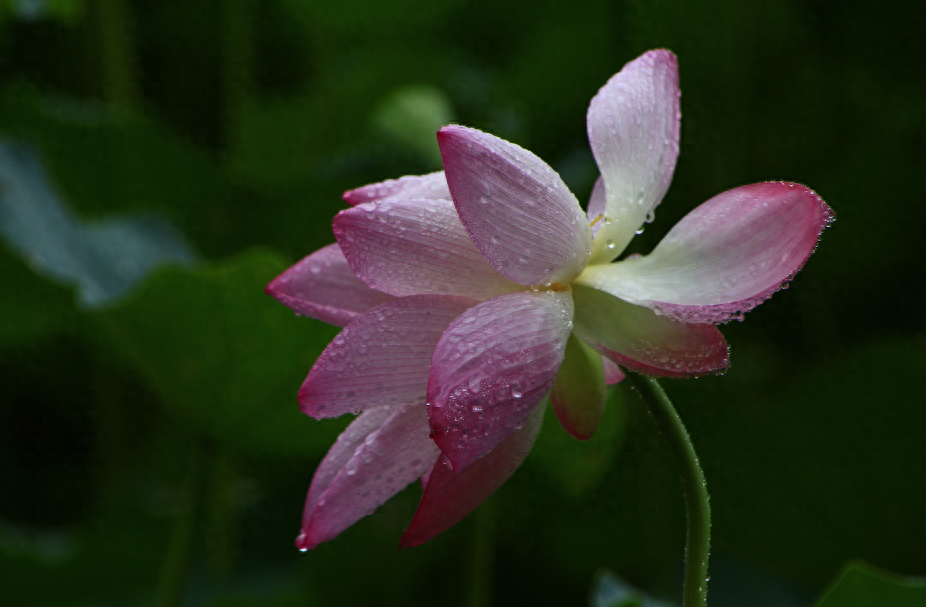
(161, 433)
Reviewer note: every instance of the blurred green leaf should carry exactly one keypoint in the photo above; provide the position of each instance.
(371, 18)
(38, 307)
(224, 355)
(609, 590)
(103, 259)
(411, 116)
(66, 11)
(861, 585)
(102, 164)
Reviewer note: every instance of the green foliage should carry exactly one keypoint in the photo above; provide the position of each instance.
(861, 585)
(38, 307)
(225, 356)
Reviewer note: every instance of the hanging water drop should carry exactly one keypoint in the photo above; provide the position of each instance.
(650, 216)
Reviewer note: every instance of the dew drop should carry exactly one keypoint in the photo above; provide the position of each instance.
(610, 244)
(650, 216)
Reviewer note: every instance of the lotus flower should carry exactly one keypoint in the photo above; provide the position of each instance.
(469, 296)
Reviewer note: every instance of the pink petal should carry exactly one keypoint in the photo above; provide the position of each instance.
(381, 358)
(491, 368)
(725, 257)
(633, 127)
(383, 463)
(324, 287)
(431, 187)
(597, 205)
(515, 207)
(612, 373)
(450, 495)
(342, 451)
(413, 247)
(636, 338)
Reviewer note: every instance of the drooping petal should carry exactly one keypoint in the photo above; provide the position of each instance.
(342, 451)
(516, 209)
(381, 358)
(579, 392)
(323, 286)
(633, 127)
(725, 257)
(413, 247)
(597, 205)
(612, 373)
(432, 186)
(383, 463)
(636, 338)
(450, 495)
(491, 368)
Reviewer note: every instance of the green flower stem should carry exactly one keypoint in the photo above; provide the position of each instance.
(120, 72)
(697, 501)
(179, 551)
(239, 66)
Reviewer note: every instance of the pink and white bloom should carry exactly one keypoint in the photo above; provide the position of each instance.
(470, 296)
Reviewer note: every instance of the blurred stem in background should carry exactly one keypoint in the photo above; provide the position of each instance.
(121, 86)
(238, 66)
(180, 550)
(483, 555)
(694, 486)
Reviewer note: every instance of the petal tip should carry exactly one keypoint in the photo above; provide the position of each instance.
(302, 542)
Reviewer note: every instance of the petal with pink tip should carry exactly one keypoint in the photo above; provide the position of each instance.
(431, 187)
(450, 495)
(413, 247)
(612, 373)
(384, 463)
(516, 209)
(636, 338)
(725, 257)
(381, 358)
(323, 286)
(579, 392)
(491, 368)
(633, 127)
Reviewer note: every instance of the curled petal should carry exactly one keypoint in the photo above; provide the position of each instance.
(413, 247)
(579, 392)
(636, 338)
(383, 463)
(725, 257)
(432, 186)
(491, 368)
(633, 127)
(516, 209)
(381, 358)
(450, 495)
(324, 287)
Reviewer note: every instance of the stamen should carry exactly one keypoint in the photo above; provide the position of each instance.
(596, 220)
